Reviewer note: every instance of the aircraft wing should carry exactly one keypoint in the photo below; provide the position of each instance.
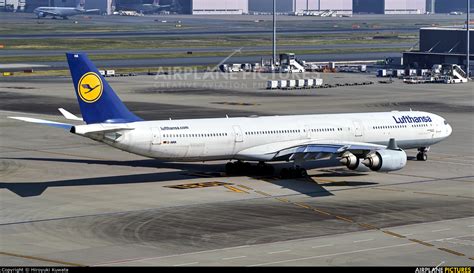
(306, 150)
(91, 10)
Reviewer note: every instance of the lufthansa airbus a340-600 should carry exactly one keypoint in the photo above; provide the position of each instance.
(360, 141)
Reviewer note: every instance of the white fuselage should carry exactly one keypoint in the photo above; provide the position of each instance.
(58, 11)
(249, 138)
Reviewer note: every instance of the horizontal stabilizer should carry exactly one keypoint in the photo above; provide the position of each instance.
(103, 128)
(69, 115)
(45, 122)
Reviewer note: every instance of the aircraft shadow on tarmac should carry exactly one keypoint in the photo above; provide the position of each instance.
(185, 171)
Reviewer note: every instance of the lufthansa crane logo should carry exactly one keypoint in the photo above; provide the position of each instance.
(90, 87)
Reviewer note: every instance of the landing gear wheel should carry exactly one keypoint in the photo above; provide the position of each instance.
(230, 168)
(236, 168)
(269, 170)
(422, 156)
(422, 153)
(303, 173)
(245, 168)
(264, 169)
(293, 173)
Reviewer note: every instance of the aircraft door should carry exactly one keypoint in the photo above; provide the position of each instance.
(437, 130)
(238, 133)
(155, 136)
(307, 131)
(358, 129)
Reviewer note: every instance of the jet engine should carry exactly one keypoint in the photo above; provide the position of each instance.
(386, 160)
(353, 163)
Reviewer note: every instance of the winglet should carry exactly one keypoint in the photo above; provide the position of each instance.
(69, 115)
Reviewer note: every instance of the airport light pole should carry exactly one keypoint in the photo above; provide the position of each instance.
(468, 41)
(274, 33)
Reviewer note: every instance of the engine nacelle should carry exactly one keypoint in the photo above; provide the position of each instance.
(386, 160)
(353, 163)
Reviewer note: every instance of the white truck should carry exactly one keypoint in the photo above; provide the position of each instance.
(110, 73)
(382, 73)
(235, 68)
(291, 84)
(300, 83)
(318, 82)
(398, 73)
(282, 84)
(272, 84)
(308, 83)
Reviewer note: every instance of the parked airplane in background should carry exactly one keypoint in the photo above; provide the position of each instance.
(361, 141)
(145, 8)
(63, 12)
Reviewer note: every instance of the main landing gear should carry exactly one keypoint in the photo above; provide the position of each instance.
(263, 169)
(296, 172)
(422, 154)
(245, 168)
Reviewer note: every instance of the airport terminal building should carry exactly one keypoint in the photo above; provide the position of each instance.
(440, 45)
(300, 6)
(390, 6)
(338, 7)
(219, 6)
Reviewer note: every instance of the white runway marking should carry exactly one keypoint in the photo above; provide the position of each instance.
(322, 246)
(186, 264)
(347, 252)
(360, 241)
(232, 258)
(439, 230)
(171, 256)
(334, 254)
(454, 163)
(246, 246)
(281, 251)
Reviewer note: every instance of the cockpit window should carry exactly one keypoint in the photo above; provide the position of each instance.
(445, 122)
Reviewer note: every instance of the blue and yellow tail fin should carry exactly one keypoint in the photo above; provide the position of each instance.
(97, 100)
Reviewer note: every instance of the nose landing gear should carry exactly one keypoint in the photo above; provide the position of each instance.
(422, 154)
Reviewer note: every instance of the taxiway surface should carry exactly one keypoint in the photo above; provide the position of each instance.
(67, 200)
